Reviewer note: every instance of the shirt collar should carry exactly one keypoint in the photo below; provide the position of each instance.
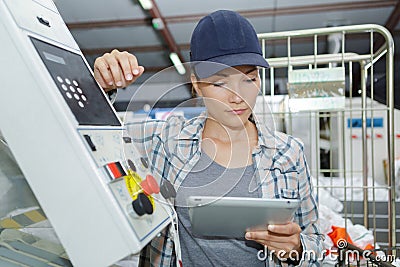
(266, 135)
(193, 129)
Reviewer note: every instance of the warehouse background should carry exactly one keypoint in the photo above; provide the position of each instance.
(100, 26)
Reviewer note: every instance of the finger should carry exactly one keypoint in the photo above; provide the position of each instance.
(123, 83)
(272, 238)
(100, 79)
(134, 66)
(116, 71)
(268, 237)
(285, 229)
(102, 73)
(135, 77)
(124, 60)
(141, 71)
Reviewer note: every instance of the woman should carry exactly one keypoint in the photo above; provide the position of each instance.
(202, 155)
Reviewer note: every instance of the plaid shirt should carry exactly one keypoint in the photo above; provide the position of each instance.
(173, 148)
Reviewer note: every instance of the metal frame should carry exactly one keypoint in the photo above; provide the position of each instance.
(367, 62)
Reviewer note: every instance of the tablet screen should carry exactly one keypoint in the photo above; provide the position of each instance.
(232, 216)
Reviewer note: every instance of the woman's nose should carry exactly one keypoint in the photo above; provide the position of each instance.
(234, 97)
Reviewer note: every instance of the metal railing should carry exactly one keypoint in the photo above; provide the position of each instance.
(363, 105)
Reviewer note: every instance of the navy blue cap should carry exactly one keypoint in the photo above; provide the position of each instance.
(226, 38)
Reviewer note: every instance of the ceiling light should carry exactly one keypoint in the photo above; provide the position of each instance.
(177, 63)
(146, 4)
(158, 24)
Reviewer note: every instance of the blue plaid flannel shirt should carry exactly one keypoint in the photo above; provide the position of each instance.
(173, 147)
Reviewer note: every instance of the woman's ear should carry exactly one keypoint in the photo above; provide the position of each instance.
(195, 85)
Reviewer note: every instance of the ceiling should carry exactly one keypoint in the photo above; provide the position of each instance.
(101, 25)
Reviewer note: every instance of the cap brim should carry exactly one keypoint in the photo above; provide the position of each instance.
(204, 69)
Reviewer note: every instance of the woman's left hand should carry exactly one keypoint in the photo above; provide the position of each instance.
(282, 238)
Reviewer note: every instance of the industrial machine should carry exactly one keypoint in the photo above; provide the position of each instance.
(82, 167)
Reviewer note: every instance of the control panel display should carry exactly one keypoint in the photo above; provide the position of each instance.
(77, 85)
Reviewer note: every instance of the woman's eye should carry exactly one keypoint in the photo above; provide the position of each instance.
(251, 80)
(219, 84)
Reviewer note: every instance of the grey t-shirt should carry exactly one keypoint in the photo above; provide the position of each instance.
(208, 178)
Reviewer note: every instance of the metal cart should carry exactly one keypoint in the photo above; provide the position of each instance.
(349, 140)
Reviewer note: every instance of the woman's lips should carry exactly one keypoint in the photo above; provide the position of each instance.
(238, 111)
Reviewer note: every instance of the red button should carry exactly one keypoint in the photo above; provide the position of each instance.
(150, 185)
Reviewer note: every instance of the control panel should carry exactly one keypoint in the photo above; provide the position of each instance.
(141, 197)
(94, 187)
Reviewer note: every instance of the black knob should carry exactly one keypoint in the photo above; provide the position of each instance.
(142, 205)
(167, 190)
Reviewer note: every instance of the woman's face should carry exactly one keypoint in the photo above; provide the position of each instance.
(230, 94)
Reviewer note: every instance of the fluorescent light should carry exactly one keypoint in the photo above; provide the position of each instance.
(177, 63)
(146, 4)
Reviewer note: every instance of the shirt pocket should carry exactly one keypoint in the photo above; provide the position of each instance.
(287, 193)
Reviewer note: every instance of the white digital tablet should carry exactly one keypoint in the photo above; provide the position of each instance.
(232, 216)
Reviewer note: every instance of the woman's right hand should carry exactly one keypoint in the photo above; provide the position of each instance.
(116, 70)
